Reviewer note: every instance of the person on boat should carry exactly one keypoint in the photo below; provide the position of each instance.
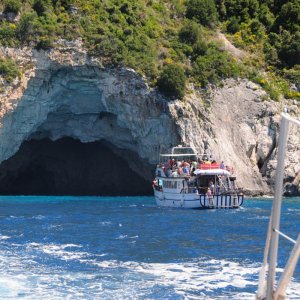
(209, 193)
(193, 168)
(194, 164)
(171, 162)
(186, 170)
(179, 171)
(169, 172)
(211, 186)
(200, 163)
(186, 164)
(174, 174)
(214, 164)
(218, 188)
(222, 166)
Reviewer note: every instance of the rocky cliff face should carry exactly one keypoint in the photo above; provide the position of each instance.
(65, 93)
(235, 124)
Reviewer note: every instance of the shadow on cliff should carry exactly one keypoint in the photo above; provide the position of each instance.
(69, 167)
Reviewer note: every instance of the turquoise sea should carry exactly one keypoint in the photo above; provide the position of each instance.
(128, 248)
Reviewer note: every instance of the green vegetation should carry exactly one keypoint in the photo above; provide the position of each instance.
(12, 6)
(172, 81)
(175, 38)
(204, 11)
(214, 66)
(9, 69)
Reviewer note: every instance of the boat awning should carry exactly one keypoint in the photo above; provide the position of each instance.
(212, 172)
(178, 155)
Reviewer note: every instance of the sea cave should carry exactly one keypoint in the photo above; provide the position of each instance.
(83, 131)
(70, 167)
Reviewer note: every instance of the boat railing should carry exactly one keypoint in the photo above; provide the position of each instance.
(221, 201)
(266, 288)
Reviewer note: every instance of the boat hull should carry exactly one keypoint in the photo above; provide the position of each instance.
(194, 200)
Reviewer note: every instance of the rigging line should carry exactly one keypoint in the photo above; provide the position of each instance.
(285, 236)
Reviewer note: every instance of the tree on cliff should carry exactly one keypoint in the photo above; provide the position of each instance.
(172, 81)
(204, 11)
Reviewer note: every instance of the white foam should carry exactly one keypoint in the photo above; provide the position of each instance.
(60, 251)
(294, 210)
(262, 217)
(38, 217)
(105, 223)
(202, 278)
(10, 287)
(125, 236)
(121, 237)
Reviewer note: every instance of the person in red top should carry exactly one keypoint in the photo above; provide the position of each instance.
(171, 162)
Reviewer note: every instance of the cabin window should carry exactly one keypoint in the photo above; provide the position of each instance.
(170, 184)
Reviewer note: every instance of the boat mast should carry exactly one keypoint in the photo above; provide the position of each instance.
(271, 248)
(277, 206)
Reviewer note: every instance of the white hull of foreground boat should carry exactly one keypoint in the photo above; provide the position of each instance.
(194, 200)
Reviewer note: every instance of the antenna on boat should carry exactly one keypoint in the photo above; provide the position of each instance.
(159, 152)
(266, 288)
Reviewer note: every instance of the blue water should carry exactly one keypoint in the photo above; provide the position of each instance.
(128, 248)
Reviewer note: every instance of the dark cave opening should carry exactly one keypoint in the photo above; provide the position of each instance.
(70, 167)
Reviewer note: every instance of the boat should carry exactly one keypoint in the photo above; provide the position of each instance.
(186, 179)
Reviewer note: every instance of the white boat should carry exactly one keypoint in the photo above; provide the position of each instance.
(189, 180)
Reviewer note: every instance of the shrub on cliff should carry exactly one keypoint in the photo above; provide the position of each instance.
(289, 51)
(7, 34)
(9, 69)
(27, 27)
(214, 66)
(12, 6)
(172, 81)
(41, 6)
(190, 33)
(204, 11)
(233, 25)
(289, 17)
(243, 9)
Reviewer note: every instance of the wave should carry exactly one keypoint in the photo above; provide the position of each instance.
(63, 252)
(203, 278)
(296, 210)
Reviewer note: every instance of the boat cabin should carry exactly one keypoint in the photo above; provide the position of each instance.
(218, 180)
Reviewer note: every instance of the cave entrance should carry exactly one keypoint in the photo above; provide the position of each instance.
(69, 167)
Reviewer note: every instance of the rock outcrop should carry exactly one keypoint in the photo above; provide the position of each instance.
(236, 125)
(65, 93)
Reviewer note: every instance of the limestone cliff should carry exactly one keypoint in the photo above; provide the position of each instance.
(66, 93)
(237, 126)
